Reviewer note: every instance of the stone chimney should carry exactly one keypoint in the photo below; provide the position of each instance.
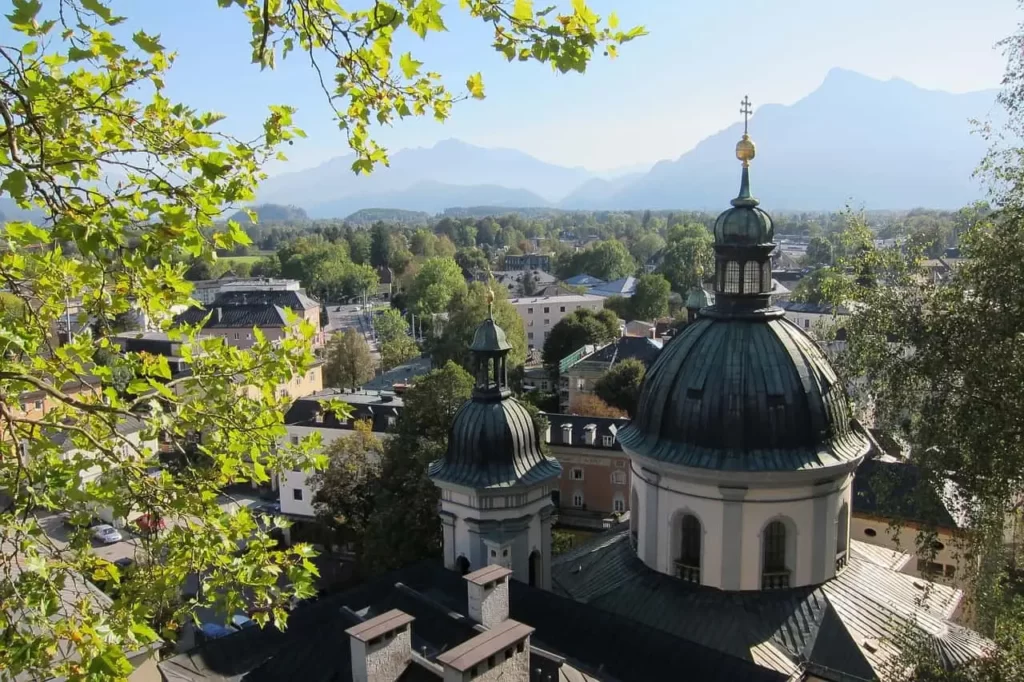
(488, 595)
(567, 434)
(500, 653)
(381, 647)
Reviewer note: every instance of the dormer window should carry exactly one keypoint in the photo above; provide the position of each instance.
(608, 441)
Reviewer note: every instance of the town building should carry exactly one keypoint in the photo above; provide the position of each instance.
(578, 378)
(540, 314)
(584, 280)
(593, 489)
(640, 328)
(306, 417)
(512, 280)
(385, 282)
(233, 315)
(822, 321)
(529, 261)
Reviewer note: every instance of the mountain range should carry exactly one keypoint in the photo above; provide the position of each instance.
(855, 139)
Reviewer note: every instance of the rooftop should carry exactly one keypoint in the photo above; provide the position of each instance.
(572, 298)
(487, 574)
(382, 624)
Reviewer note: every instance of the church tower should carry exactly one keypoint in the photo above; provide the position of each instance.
(743, 448)
(495, 482)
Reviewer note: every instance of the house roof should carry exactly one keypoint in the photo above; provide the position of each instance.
(825, 626)
(605, 426)
(594, 644)
(624, 286)
(249, 309)
(640, 348)
(303, 411)
(584, 281)
(895, 490)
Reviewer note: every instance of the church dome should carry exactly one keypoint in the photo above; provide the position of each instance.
(493, 442)
(743, 394)
(742, 388)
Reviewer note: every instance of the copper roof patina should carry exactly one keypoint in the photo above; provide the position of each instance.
(493, 442)
(742, 388)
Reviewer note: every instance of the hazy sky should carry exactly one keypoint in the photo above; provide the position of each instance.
(665, 93)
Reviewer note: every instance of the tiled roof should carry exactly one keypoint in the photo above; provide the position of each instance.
(366, 405)
(895, 490)
(825, 625)
(624, 286)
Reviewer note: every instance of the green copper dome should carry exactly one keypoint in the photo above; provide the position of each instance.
(699, 297)
(754, 394)
(489, 338)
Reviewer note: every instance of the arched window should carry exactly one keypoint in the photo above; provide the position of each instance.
(690, 538)
(766, 276)
(732, 278)
(774, 571)
(842, 536)
(751, 277)
(534, 568)
(462, 565)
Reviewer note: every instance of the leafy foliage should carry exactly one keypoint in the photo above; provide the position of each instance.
(465, 313)
(688, 256)
(590, 405)
(607, 260)
(620, 386)
(650, 300)
(578, 329)
(129, 187)
(349, 363)
(437, 282)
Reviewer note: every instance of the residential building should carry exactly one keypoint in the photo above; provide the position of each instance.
(595, 482)
(541, 313)
(307, 417)
(234, 314)
(206, 291)
(821, 320)
(640, 328)
(512, 280)
(578, 378)
(538, 378)
(624, 287)
(529, 261)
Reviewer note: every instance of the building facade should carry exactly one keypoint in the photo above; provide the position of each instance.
(541, 314)
(579, 378)
(233, 315)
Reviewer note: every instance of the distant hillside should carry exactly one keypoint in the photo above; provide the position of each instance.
(366, 216)
(596, 191)
(450, 162)
(880, 144)
(272, 213)
(429, 196)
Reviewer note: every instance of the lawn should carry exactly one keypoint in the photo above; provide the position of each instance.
(241, 259)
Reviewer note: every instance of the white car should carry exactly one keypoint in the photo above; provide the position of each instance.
(106, 534)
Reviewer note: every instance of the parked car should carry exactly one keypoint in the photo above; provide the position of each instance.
(106, 534)
(148, 523)
(268, 507)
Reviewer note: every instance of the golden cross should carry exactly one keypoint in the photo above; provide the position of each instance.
(746, 111)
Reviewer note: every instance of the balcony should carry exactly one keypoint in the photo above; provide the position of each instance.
(841, 560)
(688, 572)
(775, 580)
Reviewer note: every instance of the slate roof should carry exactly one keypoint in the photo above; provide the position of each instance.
(366, 405)
(825, 626)
(594, 644)
(894, 490)
(641, 348)
(249, 309)
(744, 394)
(604, 426)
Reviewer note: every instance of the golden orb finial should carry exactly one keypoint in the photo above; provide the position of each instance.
(745, 149)
(490, 296)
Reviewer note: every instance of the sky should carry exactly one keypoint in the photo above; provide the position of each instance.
(665, 92)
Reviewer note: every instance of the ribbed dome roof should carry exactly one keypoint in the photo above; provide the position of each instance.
(744, 226)
(489, 338)
(493, 444)
(744, 394)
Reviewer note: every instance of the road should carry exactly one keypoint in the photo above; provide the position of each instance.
(345, 317)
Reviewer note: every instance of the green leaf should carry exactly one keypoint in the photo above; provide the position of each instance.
(613, 21)
(15, 184)
(150, 44)
(523, 10)
(410, 67)
(475, 84)
(101, 10)
(24, 13)
(144, 632)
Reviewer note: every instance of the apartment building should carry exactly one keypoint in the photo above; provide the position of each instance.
(234, 314)
(541, 313)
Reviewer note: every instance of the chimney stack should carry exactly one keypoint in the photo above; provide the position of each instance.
(218, 314)
(567, 434)
(503, 652)
(381, 647)
(488, 595)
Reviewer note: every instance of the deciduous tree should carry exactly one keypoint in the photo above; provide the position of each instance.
(349, 363)
(650, 300)
(577, 329)
(434, 286)
(589, 405)
(620, 386)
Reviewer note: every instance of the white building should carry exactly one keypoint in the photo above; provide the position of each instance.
(541, 314)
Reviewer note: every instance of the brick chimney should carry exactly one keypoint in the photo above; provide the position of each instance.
(381, 647)
(488, 595)
(500, 653)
